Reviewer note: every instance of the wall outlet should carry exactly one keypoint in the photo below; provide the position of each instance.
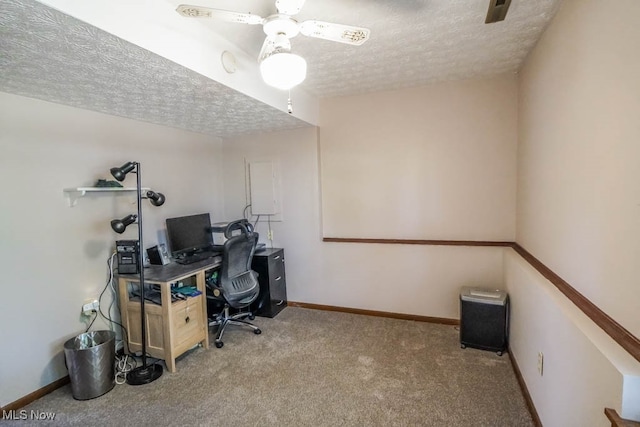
(90, 306)
(270, 235)
(540, 363)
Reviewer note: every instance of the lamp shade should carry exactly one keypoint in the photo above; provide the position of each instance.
(119, 225)
(156, 199)
(283, 70)
(122, 171)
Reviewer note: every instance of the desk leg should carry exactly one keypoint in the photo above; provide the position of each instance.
(171, 364)
(168, 330)
(201, 285)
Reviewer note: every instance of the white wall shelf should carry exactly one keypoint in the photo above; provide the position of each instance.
(73, 194)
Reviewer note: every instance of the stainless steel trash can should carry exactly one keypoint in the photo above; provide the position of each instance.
(90, 361)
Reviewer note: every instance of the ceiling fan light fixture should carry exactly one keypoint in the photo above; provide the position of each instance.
(278, 66)
(283, 70)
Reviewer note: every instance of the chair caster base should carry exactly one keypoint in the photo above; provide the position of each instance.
(219, 344)
(257, 331)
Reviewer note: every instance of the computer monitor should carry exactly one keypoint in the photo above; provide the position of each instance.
(189, 234)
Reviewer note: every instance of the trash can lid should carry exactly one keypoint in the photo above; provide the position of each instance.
(483, 295)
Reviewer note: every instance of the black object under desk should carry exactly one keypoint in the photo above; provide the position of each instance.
(269, 264)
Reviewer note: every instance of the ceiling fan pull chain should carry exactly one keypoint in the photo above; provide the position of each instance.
(289, 105)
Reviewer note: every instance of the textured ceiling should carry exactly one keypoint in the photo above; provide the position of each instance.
(51, 56)
(48, 55)
(413, 42)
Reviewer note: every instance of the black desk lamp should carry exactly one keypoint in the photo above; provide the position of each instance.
(146, 373)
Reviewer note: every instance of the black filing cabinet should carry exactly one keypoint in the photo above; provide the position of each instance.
(484, 319)
(269, 264)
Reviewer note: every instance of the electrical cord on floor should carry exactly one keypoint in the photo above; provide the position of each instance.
(124, 364)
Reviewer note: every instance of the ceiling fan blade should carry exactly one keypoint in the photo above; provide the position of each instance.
(289, 7)
(335, 32)
(224, 15)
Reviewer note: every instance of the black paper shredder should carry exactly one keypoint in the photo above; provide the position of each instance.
(484, 319)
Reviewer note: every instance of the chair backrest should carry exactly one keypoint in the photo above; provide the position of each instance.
(238, 282)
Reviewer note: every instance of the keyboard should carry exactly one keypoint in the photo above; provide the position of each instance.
(199, 256)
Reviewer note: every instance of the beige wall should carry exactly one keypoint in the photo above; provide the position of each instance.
(435, 162)
(411, 279)
(53, 256)
(579, 133)
(578, 211)
(583, 368)
(299, 232)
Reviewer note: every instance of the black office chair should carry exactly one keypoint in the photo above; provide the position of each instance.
(237, 285)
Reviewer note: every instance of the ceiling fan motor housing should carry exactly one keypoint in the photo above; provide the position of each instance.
(280, 24)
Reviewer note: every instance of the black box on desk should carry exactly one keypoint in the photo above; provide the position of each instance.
(484, 319)
(128, 253)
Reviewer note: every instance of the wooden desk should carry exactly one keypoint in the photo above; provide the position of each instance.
(172, 327)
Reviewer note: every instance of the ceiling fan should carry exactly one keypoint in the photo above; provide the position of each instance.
(279, 67)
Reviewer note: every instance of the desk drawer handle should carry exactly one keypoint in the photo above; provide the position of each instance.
(276, 257)
(280, 302)
(278, 278)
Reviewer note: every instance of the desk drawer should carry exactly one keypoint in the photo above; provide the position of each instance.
(187, 322)
(276, 267)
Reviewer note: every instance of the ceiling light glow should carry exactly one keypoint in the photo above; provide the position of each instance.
(283, 70)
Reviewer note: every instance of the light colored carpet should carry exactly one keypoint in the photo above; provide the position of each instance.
(316, 368)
